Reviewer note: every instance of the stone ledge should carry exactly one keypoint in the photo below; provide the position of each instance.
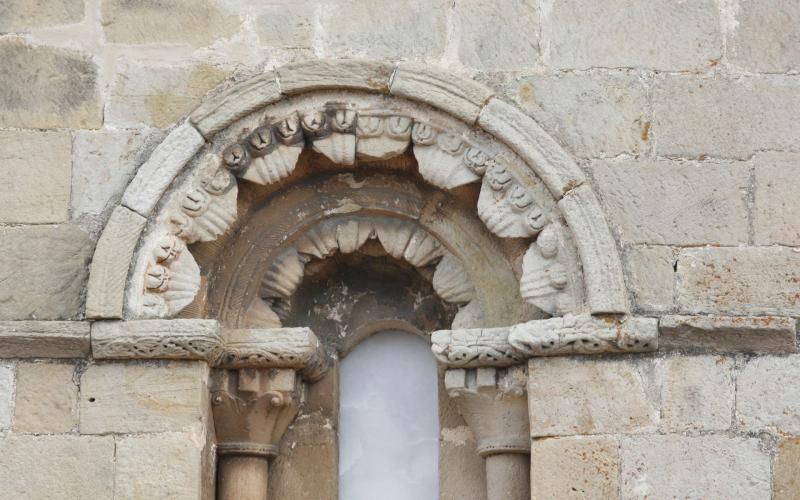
(44, 339)
(322, 74)
(713, 333)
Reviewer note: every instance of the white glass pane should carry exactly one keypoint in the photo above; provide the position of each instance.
(388, 422)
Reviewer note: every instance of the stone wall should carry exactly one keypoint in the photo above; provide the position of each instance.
(684, 115)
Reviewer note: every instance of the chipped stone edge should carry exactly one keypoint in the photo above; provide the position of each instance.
(112, 259)
(45, 339)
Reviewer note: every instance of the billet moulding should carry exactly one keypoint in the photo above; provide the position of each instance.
(381, 135)
(440, 156)
(507, 208)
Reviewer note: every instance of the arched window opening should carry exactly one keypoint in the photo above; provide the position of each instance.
(388, 423)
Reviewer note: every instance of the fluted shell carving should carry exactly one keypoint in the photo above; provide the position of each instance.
(451, 281)
(283, 276)
(381, 136)
(206, 211)
(506, 207)
(546, 280)
(332, 132)
(172, 278)
(269, 153)
(405, 241)
(440, 157)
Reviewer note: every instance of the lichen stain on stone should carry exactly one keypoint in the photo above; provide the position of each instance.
(526, 93)
(646, 131)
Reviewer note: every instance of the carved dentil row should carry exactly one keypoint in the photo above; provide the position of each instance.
(205, 207)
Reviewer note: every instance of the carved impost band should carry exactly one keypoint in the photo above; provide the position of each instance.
(495, 406)
(252, 409)
(571, 334)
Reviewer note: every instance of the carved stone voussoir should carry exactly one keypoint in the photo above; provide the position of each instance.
(156, 339)
(584, 335)
(474, 348)
(296, 348)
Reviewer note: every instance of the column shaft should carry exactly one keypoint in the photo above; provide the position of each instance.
(508, 476)
(242, 478)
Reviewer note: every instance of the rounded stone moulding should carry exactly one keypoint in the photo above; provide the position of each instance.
(348, 111)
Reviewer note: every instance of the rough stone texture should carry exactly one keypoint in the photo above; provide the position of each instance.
(675, 202)
(161, 168)
(650, 277)
(103, 163)
(112, 257)
(766, 394)
(357, 74)
(62, 467)
(22, 16)
(386, 29)
(44, 339)
(766, 36)
(46, 398)
(35, 168)
(629, 33)
(458, 96)
(144, 397)
(6, 395)
(673, 466)
(485, 48)
(725, 118)
(575, 467)
(42, 87)
(594, 115)
(739, 280)
(785, 468)
(289, 26)
(43, 271)
(697, 393)
(159, 466)
(728, 333)
(569, 396)
(193, 22)
(776, 202)
(159, 95)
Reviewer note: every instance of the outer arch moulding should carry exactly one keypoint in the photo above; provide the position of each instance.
(461, 98)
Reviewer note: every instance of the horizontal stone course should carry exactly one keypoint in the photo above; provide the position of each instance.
(44, 339)
(728, 333)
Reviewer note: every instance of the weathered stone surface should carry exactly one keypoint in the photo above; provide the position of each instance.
(650, 277)
(766, 395)
(157, 339)
(6, 395)
(725, 118)
(673, 466)
(602, 269)
(153, 397)
(22, 16)
(569, 396)
(514, 47)
(462, 474)
(545, 156)
(159, 95)
(728, 333)
(159, 466)
(594, 115)
(785, 477)
(286, 25)
(460, 97)
(44, 339)
(43, 271)
(650, 35)
(575, 467)
(46, 398)
(240, 100)
(697, 393)
(194, 22)
(112, 257)
(675, 202)
(739, 280)
(35, 168)
(766, 36)
(161, 168)
(57, 466)
(776, 200)
(46, 87)
(385, 29)
(103, 163)
(355, 74)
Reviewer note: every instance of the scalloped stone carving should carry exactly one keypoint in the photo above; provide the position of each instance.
(451, 281)
(381, 135)
(506, 207)
(172, 278)
(440, 156)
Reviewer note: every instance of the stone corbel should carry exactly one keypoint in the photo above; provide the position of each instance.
(494, 404)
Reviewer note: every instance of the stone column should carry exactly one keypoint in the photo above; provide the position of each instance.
(493, 402)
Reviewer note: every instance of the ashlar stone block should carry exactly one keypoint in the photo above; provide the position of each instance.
(166, 465)
(575, 467)
(650, 276)
(766, 395)
(697, 393)
(6, 395)
(23, 16)
(144, 397)
(46, 398)
(776, 202)
(786, 470)
(766, 36)
(571, 396)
